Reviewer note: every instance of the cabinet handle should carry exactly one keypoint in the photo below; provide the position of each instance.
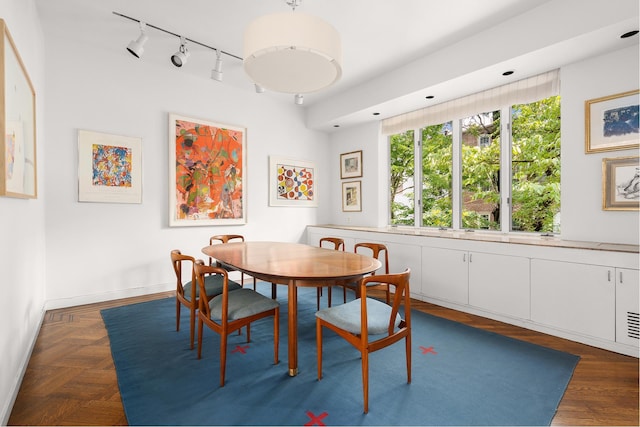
(470, 257)
(621, 277)
(608, 275)
(464, 257)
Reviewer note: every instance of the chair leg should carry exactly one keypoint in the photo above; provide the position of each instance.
(365, 379)
(177, 315)
(329, 295)
(248, 332)
(200, 324)
(344, 291)
(319, 347)
(192, 325)
(318, 296)
(276, 335)
(408, 350)
(274, 291)
(223, 356)
(254, 283)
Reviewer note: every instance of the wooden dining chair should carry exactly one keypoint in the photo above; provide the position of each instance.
(356, 320)
(231, 311)
(188, 294)
(226, 238)
(380, 252)
(337, 244)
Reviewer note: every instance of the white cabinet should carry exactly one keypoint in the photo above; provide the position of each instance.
(445, 274)
(627, 306)
(499, 283)
(575, 297)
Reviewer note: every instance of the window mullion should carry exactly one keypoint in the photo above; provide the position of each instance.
(506, 155)
(456, 179)
(417, 177)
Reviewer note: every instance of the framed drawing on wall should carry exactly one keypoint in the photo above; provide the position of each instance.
(18, 172)
(621, 184)
(292, 182)
(611, 122)
(207, 172)
(109, 168)
(351, 165)
(351, 196)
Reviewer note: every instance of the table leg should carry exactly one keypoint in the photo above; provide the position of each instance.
(293, 328)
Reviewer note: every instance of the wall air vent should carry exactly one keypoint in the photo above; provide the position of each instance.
(633, 325)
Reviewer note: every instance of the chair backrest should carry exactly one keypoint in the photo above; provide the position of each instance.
(223, 238)
(177, 259)
(401, 296)
(200, 271)
(338, 243)
(377, 249)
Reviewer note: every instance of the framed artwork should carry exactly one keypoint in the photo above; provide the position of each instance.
(611, 122)
(18, 172)
(351, 196)
(109, 168)
(207, 173)
(351, 164)
(292, 182)
(621, 184)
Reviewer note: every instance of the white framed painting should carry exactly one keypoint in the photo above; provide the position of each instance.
(292, 182)
(109, 168)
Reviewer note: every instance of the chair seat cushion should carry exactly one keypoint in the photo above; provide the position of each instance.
(213, 286)
(242, 303)
(347, 316)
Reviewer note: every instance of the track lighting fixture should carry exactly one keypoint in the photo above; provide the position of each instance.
(259, 89)
(180, 57)
(136, 47)
(216, 73)
(299, 99)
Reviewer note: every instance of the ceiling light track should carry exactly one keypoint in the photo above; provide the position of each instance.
(215, 49)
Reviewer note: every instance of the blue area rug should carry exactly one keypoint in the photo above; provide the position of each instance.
(461, 375)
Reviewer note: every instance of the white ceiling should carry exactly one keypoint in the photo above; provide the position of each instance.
(378, 36)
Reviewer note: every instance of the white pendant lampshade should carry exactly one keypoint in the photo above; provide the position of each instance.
(292, 53)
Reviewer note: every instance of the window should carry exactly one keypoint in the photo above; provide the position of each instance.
(497, 169)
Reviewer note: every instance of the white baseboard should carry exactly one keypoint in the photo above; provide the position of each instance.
(17, 381)
(107, 296)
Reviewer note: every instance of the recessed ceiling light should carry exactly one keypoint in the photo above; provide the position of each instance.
(507, 73)
(629, 34)
(429, 97)
(376, 114)
(336, 126)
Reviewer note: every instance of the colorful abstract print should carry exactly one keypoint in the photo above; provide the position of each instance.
(208, 172)
(111, 165)
(295, 183)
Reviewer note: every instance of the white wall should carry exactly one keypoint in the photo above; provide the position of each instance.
(98, 251)
(582, 215)
(22, 235)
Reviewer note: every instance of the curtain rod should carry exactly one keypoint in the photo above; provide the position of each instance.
(178, 35)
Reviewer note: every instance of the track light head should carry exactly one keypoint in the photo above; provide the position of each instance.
(136, 47)
(216, 73)
(299, 99)
(259, 89)
(180, 57)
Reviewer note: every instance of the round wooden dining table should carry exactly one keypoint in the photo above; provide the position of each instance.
(295, 265)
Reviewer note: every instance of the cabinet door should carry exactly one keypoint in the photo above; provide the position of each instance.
(444, 274)
(499, 283)
(627, 306)
(575, 297)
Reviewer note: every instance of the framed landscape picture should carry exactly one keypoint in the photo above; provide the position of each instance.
(351, 165)
(18, 171)
(621, 184)
(207, 172)
(292, 182)
(351, 196)
(109, 168)
(611, 122)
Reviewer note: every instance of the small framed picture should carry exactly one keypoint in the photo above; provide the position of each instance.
(621, 184)
(351, 165)
(611, 122)
(351, 196)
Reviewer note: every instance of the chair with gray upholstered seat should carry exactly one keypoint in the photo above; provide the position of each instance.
(369, 324)
(231, 311)
(188, 293)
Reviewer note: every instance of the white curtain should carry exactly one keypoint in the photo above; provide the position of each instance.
(520, 92)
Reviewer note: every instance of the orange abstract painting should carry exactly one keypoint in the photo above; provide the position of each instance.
(208, 172)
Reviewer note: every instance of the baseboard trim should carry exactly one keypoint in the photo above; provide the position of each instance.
(107, 296)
